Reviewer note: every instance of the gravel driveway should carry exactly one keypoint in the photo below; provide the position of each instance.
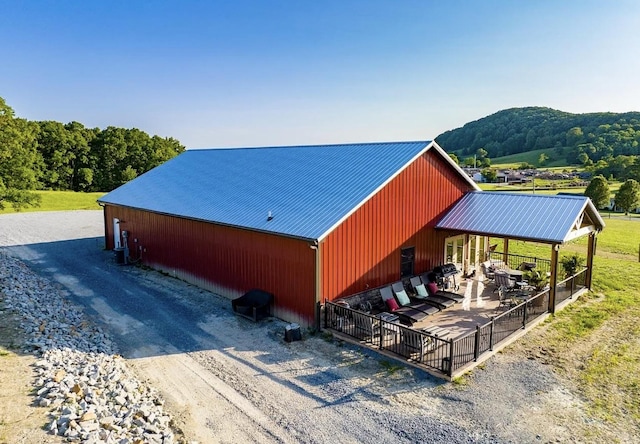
(226, 379)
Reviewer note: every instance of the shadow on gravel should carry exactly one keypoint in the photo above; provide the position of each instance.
(148, 314)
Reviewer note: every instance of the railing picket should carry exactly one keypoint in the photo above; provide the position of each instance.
(491, 335)
(476, 345)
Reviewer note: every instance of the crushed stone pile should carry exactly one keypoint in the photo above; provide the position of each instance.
(91, 394)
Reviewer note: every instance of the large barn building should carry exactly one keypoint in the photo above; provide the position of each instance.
(306, 223)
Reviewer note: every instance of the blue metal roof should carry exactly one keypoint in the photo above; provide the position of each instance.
(307, 189)
(535, 217)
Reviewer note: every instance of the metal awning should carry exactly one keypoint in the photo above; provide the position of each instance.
(553, 219)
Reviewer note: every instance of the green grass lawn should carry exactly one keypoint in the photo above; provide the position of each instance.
(62, 201)
(596, 340)
(514, 160)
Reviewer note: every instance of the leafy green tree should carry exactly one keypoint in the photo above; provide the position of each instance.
(628, 196)
(489, 174)
(542, 159)
(20, 164)
(469, 162)
(454, 158)
(598, 191)
(574, 136)
(583, 158)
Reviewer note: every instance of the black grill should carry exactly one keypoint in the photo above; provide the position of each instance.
(445, 271)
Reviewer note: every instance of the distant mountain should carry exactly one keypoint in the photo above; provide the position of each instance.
(519, 130)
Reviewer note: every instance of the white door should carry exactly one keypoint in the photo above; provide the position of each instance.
(454, 251)
(117, 243)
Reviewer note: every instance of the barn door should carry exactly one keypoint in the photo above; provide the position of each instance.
(117, 243)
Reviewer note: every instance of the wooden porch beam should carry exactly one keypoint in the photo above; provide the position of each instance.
(553, 280)
(505, 253)
(591, 251)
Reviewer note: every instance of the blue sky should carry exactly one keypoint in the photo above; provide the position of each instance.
(256, 73)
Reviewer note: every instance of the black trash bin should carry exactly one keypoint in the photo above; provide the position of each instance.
(292, 333)
(119, 252)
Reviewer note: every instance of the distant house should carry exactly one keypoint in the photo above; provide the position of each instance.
(613, 207)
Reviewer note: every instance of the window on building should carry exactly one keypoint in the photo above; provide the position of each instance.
(407, 259)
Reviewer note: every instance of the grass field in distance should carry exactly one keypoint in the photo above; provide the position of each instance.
(62, 201)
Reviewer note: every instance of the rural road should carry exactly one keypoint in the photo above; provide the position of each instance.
(227, 380)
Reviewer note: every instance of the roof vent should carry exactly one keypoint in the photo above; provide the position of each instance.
(269, 216)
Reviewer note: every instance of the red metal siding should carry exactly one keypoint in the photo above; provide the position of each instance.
(226, 260)
(364, 251)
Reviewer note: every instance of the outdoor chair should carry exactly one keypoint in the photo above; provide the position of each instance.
(423, 294)
(365, 327)
(423, 305)
(506, 301)
(429, 278)
(416, 343)
(409, 313)
(488, 270)
(504, 281)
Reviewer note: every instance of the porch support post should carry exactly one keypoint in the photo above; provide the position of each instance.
(553, 280)
(505, 253)
(591, 251)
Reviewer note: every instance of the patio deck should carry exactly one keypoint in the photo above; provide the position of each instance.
(477, 327)
(478, 307)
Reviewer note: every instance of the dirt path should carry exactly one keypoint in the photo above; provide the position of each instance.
(227, 380)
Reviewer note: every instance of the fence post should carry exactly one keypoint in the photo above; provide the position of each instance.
(491, 335)
(381, 332)
(524, 315)
(317, 317)
(450, 369)
(476, 345)
(326, 310)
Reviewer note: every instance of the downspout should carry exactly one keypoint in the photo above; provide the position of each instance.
(317, 284)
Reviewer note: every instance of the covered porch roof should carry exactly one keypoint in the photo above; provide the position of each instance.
(551, 219)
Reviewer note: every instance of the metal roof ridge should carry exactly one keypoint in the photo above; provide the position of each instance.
(516, 193)
(404, 142)
(427, 147)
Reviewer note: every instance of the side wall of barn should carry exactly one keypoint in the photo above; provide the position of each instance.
(226, 260)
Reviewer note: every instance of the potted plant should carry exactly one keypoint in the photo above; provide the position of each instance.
(536, 279)
(572, 264)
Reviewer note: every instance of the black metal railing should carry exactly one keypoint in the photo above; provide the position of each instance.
(568, 288)
(440, 354)
(471, 346)
(418, 346)
(514, 261)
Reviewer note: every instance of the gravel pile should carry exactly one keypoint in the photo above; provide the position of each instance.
(92, 394)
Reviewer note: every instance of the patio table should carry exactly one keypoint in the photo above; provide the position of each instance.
(516, 274)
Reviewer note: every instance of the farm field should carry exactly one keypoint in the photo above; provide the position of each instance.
(62, 201)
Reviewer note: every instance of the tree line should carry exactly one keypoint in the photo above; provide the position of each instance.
(39, 155)
(578, 138)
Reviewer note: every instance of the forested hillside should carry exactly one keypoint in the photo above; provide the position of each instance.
(580, 138)
(56, 156)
